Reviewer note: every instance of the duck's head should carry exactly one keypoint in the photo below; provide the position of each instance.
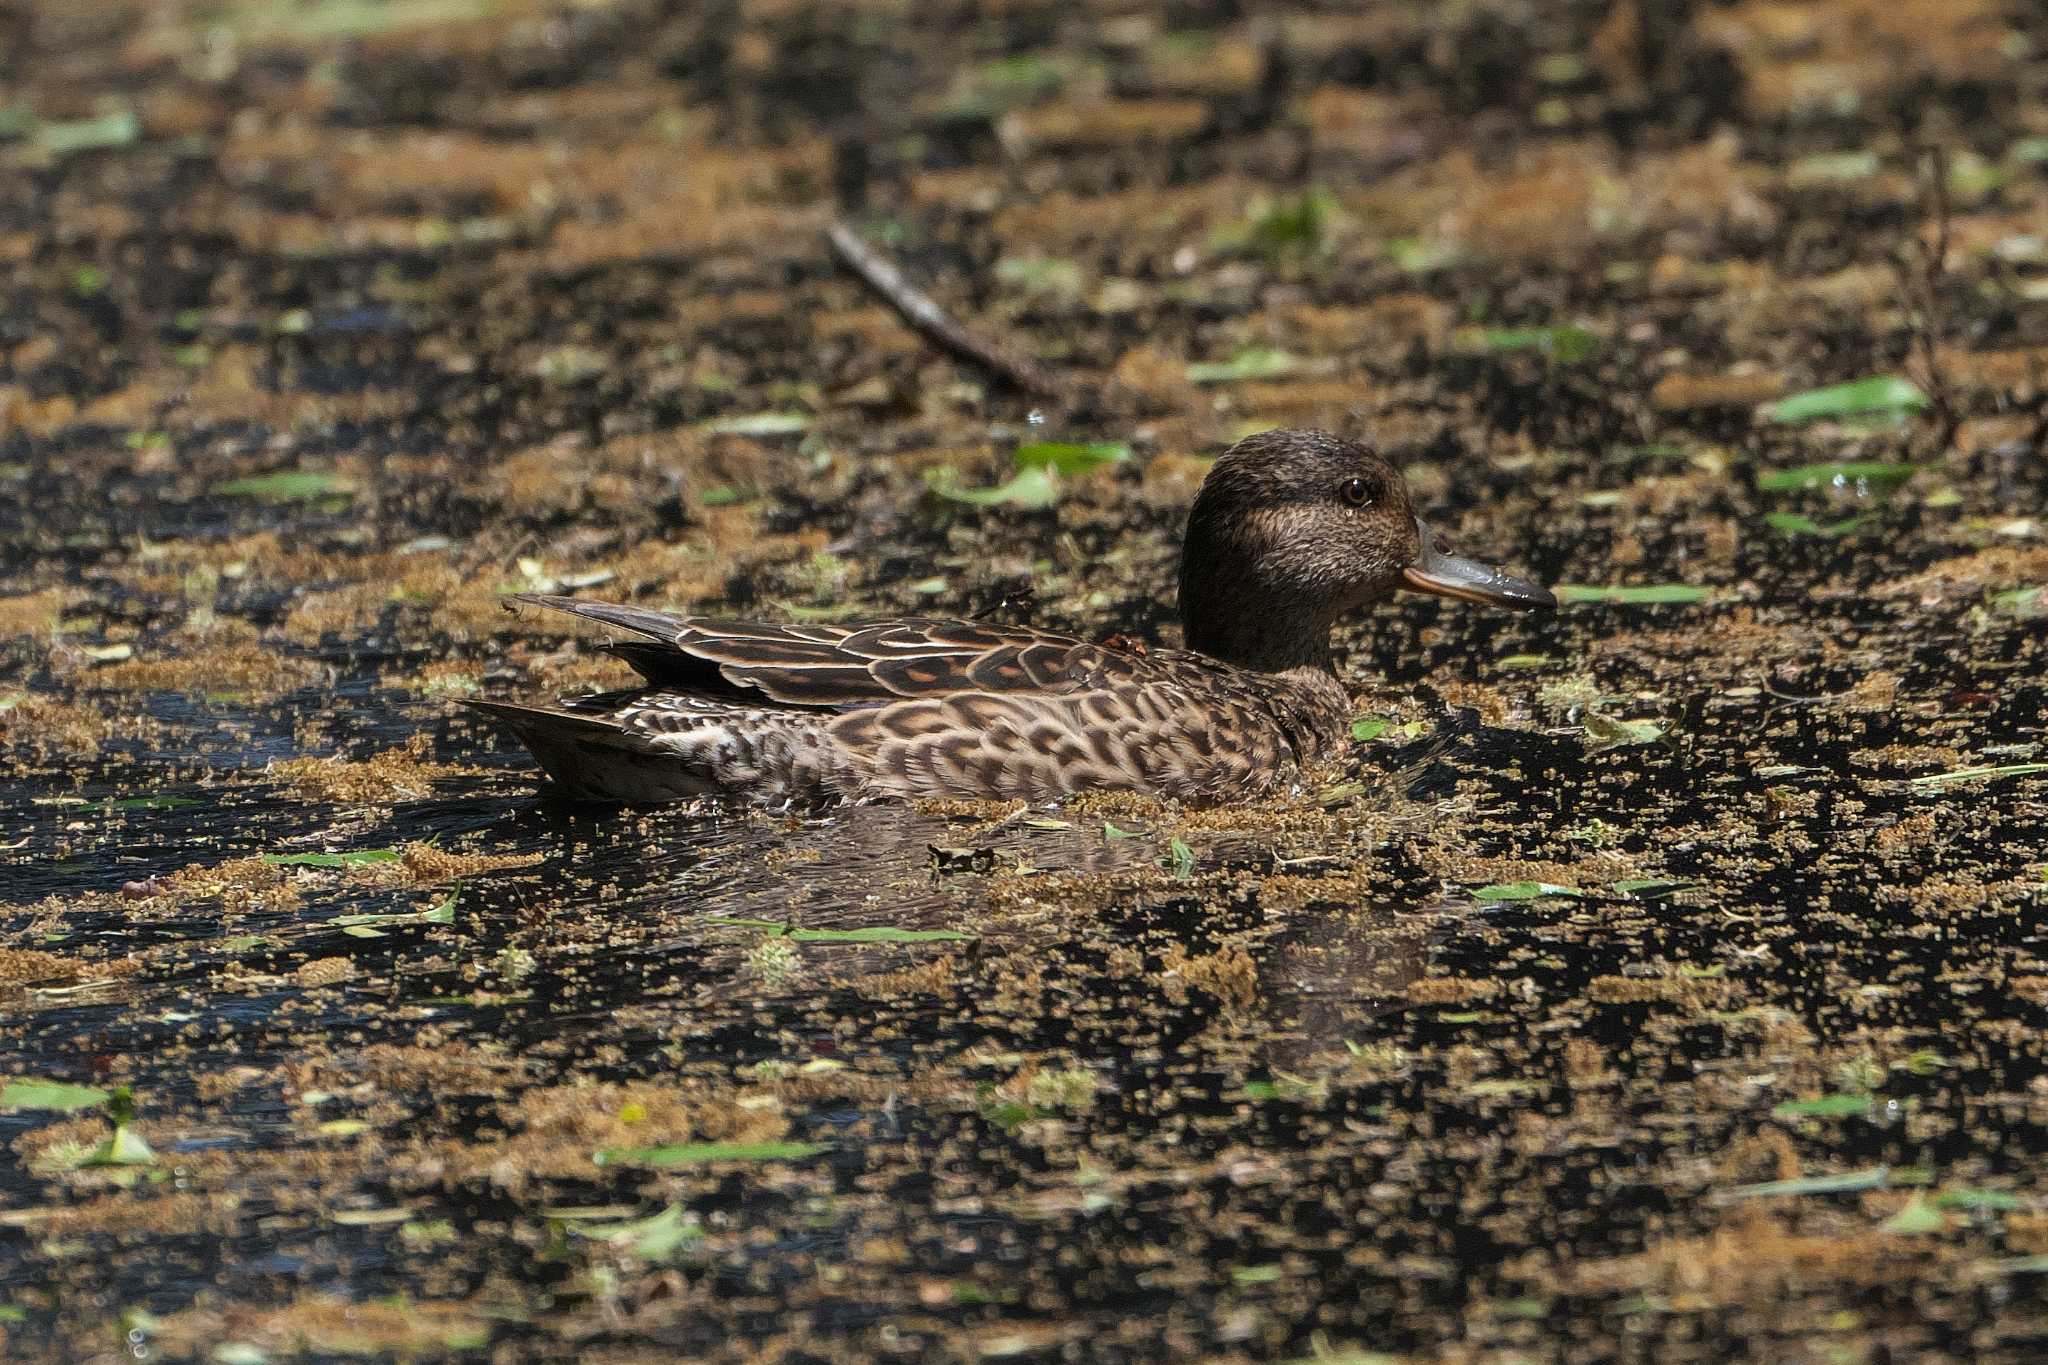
(1291, 530)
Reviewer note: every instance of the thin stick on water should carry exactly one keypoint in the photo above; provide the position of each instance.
(931, 321)
(1920, 269)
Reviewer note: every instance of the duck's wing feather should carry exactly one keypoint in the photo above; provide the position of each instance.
(846, 665)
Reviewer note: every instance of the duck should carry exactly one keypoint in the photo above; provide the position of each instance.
(1291, 531)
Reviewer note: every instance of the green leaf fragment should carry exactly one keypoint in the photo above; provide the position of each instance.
(1567, 345)
(701, 1153)
(1524, 891)
(1798, 524)
(360, 926)
(1606, 732)
(1917, 1218)
(125, 1147)
(1880, 396)
(154, 803)
(1849, 1182)
(1980, 1201)
(1180, 859)
(1033, 488)
(1859, 476)
(654, 1238)
(1254, 362)
(1369, 728)
(353, 858)
(760, 424)
(54, 1095)
(1068, 457)
(1935, 781)
(1825, 1107)
(1651, 595)
(881, 933)
(114, 128)
(288, 485)
(1650, 888)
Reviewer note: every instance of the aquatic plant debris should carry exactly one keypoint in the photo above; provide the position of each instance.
(1859, 476)
(55, 1095)
(1883, 396)
(704, 1153)
(1646, 595)
(547, 287)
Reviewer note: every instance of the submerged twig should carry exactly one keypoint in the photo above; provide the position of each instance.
(932, 322)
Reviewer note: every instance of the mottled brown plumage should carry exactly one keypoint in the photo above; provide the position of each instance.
(1291, 530)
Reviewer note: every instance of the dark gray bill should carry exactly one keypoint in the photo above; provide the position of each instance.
(1439, 571)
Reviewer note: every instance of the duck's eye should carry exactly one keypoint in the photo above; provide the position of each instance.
(1357, 492)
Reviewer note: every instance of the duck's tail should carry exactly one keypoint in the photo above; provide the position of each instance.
(593, 757)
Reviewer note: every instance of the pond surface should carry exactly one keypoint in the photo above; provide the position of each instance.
(1662, 979)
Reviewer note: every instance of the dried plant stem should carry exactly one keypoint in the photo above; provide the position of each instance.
(931, 321)
(1920, 270)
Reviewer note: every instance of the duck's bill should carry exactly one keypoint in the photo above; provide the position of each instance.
(1439, 571)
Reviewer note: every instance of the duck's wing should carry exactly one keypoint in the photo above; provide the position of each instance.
(846, 665)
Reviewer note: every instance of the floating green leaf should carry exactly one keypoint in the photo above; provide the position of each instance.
(701, 1153)
(880, 933)
(1041, 275)
(56, 1095)
(760, 424)
(366, 926)
(1254, 362)
(1824, 1107)
(1882, 396)
(288, 485)
(1421, 255)
(123, 1147)
(1650, 595)
(1832, 167)
(1606, 732)
(1069, 457)
(166, 802)
(353, 858)
(1524, 891)
(1850, 1182)
(1524, 661)
(1257, 1274)
(1369, 727)
(1567, 345)
(112, 128)
(654, 1238)
(1860, 476)
(1180, 859)
(1935, 781)
(1650, 888)
(1033, 488)
(1799, 524)
(1917, 1218)
(1980, 1201)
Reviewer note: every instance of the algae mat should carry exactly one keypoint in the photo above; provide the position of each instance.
(1663, 979)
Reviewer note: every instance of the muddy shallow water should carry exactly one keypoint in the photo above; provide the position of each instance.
(1661, 979)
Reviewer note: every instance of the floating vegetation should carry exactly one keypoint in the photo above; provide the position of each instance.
(1254, 362)
(289, 485)
(879, 933)
(1959, 776)
(704, 1153)
(1649, 595)
(1862, 477)
(1882, 398)
(1566, 345)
